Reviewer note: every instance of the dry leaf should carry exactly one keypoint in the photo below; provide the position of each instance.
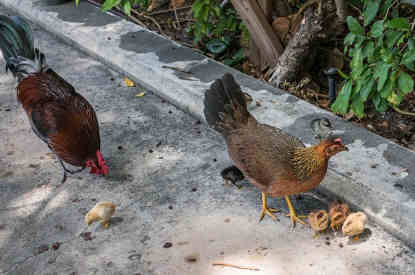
(156, 4)
(140, 94)
(281, 26)
(129, 82)
(177, 3)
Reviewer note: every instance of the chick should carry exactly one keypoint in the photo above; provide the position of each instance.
(338, 213)
(102, 211)
(232, 175)
(321, 128)
(354, 224)
(319, 221)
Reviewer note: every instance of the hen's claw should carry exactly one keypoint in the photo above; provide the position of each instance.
(265, 210)
(293, 216)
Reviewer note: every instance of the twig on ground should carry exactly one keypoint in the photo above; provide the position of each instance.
(169, 10)
(402, 111)
(236, 266)
(149, 18)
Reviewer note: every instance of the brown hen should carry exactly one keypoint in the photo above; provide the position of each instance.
(277, 163)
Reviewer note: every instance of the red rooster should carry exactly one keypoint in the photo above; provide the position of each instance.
(59, 116)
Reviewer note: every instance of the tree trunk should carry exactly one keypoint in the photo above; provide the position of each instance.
(259, 29)
(341, 10)
(255, 56)
(298, 48)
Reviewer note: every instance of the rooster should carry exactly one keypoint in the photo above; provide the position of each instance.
(58, 115)
(277, 163)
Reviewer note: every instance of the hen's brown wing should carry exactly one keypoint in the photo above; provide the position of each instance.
(263, 153)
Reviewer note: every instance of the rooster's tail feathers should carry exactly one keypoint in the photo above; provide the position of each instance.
(225, 105)
(18, 47)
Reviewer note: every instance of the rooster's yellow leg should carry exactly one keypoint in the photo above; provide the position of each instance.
(265, 210)
(293, 215)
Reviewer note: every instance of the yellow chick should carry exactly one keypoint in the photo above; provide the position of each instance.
(319, 221)
(354, 224)
(102, 211)
(338, 213)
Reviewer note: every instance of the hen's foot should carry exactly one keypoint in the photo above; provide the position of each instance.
(265, 210)
(293, 216)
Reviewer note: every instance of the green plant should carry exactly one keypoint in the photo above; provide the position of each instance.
(382, 52)
(125, 5)
(215, 27)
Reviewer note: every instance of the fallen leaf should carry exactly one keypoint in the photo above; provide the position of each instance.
(129, 82)
(177, 3)
(140, 94)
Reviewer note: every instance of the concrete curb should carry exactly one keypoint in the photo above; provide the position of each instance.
(376, 175)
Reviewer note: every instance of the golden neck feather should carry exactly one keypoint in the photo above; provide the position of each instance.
(307, 161)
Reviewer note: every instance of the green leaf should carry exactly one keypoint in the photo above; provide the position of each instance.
(367, 89)
(197, 7)
(109, 4)
(395, 99)
(216, 46)
(405, 83)
(204, 13)
(380, 104)
(392, 37)
(385, 6)
(354, 26)
(357, 63)
(377, 29)
(370, 11)
(381, 72)
(341, 105)
(411, 43)
(399, 23)
(349, 39)
(369, 49)
(387, 88)
(358, 107)
(126, 7)
(408, 57)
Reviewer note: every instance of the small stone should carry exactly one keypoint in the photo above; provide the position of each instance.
(170, 112)
(93, 199)
(398, 185)
(198, 122)
(158, 144)
(374, 166)
(120, 147)
(87, 236)
(327, 243)
(227, 220)
(109, 38)
(194, 189)
(215, 160)
(340, 245)
(191, 258)
(170, 207)
(167, 245)
(150, 151)
(7, 110)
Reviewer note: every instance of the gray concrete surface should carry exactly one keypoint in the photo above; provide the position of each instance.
(376, 175)
(171, 194)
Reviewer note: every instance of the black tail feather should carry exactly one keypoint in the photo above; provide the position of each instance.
(225, 105)
(17, 46)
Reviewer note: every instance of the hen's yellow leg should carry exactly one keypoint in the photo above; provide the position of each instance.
(265, 210)
(293, 215)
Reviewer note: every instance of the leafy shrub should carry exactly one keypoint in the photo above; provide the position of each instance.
(125, 5)
(382, 52)
(216, 27)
